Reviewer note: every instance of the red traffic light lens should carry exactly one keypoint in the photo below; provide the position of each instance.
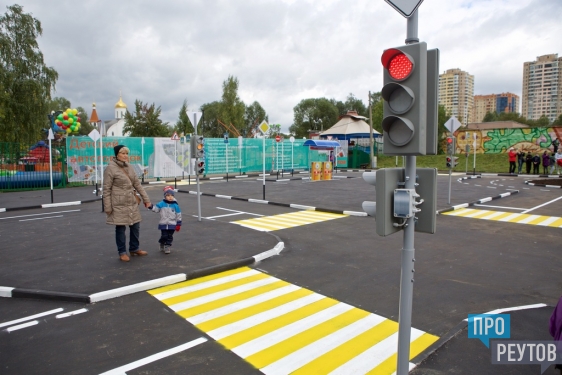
(449, 159)
(400, 67)
(398, 64)
(449, 140)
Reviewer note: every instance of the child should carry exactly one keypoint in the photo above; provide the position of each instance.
(170, 218)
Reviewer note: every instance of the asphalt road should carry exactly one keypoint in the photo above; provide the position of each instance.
(469, 266)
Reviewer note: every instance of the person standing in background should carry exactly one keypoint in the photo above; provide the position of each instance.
(520, 160)
(512, 158)
(528, 162)
(545, 162)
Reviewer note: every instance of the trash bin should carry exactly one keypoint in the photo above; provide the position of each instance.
(316, 171)
(327, 170)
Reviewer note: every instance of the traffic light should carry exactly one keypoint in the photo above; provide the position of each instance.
(200, 166)
(394, 204)
(197, 146)
(450, 145)
(405, 99)
(432, 102)
(452, 161)
(385, 181)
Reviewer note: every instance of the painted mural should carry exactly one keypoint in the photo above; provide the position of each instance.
(494, 141)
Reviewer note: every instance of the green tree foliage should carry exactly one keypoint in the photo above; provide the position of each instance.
(231, 111)
(253, 116)
(25, 81)
(209, 125)
(59, 104)
(183, 125)
(313, 114)
(377, 111)
(145, 122)
(542, 122)
(442, 118)
(558, 121)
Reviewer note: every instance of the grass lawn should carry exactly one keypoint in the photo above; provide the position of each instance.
(485, 163)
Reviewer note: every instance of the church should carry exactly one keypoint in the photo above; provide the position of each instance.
(111, 128)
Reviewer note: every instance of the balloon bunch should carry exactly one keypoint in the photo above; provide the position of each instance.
(67, 122)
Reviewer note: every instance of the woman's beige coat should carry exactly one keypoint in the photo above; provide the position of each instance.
(119, 202)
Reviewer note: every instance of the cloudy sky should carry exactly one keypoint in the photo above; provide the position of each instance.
(281, 51)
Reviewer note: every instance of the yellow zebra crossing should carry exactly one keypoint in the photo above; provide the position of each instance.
(281, 328)
(289, 220)
(510, 217)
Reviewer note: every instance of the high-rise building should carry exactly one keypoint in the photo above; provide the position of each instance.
(456, 94)
(542, 85)
(504, 102)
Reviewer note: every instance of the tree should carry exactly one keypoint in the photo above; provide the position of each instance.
(313, 114)
(209, 125)
(253, 116)
(542, 122)
(145, 122)
(558, 121)
(59, 104)
(231, 111)
(377, 110)
(25, 81)
(183, 125)
(490, 117)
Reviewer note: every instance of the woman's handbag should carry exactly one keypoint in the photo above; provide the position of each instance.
(136, 195)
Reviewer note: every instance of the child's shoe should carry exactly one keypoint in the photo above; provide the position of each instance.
(161, 247)
(167, 250)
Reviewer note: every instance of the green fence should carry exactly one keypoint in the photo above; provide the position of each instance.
(25, 166)
(165, 158)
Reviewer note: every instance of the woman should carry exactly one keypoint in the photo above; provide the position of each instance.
(520, 160)
(528, 162)
(120, 204)
(545, 162)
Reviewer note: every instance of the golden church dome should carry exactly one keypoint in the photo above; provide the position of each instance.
(120, 103)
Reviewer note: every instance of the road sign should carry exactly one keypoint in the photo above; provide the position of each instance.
(194, 117)
(292, 139)
(175, 137)
(94, 134)
(452, 124)
(225, 136)
(263, 127)
(405, 7)
(277, 138)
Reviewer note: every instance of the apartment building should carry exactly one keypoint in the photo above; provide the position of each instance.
(456, 94)
(542, 82)
(505, 102)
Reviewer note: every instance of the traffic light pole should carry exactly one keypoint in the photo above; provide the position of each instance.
(408, 251)
(197, 174)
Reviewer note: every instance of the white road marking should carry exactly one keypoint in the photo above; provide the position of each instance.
(71, 313)
(507, 208)
(21, 326)
(539, 206)
(155, 357)
(47, 213)
(31, 317)
(42, 218)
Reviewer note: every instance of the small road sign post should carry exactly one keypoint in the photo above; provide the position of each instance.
(263, 127)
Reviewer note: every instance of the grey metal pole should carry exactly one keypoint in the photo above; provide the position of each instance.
(450, 173)
(408, 251)
(197, 174)
(371, 143)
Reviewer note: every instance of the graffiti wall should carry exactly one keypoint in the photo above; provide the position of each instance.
(494, 141)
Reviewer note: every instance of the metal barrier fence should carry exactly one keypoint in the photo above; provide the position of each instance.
(27, 167)
(80, 161)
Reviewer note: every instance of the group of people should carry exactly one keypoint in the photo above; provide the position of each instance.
(122, 192)
(550, 161)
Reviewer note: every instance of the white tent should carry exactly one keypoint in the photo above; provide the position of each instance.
(350, 125)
